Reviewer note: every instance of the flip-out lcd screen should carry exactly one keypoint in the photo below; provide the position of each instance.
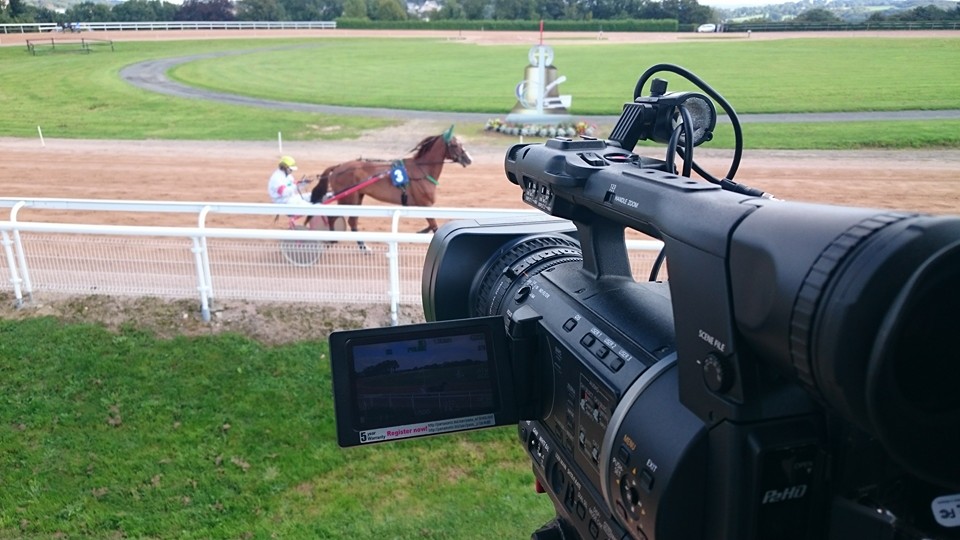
(396, 383)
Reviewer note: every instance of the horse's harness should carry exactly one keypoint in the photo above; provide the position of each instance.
(398, 175)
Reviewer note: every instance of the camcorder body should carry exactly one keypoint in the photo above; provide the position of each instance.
(793, 378)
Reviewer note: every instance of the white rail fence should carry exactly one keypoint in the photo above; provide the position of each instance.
(80, 258)
(21, 28)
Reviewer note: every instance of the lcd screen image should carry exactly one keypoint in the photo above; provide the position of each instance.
(420, 380)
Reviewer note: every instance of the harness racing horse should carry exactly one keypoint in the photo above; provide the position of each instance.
(411, 181)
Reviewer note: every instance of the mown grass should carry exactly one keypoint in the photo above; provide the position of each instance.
(81, 96)
(109, 435)
(799, 75)
(900, 134)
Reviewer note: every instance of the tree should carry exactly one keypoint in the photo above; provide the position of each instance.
(16, 9)
(259, 10)
(89, 12)
(312, 10)
(354, 9)
(927, 13)
(511, 10)
(691, 12)
(19, 11)
(47, 15)
(450, 10)
(166, 11)
(817, 15)
(552, 9)
(143, 11)
(477, 9)
(390, 10)
(205, 10)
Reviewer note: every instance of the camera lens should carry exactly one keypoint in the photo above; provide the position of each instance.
(913, 373)
(922, 339)
(527, 256)
(861, 308)
(884, 349)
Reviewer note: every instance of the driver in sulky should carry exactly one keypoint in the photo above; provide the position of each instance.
(283, 188)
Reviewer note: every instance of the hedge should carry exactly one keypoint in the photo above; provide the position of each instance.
(615, 25)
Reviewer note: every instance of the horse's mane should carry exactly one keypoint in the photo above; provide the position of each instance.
(424, 146)
(419, 150)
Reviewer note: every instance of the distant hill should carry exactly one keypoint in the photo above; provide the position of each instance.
(848, 10)
(62, 5)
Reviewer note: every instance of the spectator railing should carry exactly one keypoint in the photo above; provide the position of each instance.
(23, 28)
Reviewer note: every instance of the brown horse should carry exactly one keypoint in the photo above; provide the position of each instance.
(381, 180)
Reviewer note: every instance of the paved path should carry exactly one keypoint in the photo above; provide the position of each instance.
(152, 75)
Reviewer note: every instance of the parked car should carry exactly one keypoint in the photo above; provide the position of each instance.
(709, 27)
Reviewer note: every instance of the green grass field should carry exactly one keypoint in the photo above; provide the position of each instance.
(121, 435)
(82, 96)
(808, 75)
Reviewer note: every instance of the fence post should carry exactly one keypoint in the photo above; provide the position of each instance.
(205, 254)
(393, 256)
(18, 246)
(201, 285)
(11, 264)
(395, 222)
(393, 260)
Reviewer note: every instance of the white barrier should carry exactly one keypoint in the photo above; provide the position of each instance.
(219, 262)
(21, 28)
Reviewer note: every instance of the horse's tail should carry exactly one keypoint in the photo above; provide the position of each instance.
(323, 185)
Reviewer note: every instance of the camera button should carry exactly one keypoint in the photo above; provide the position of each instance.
(716, 373)
(570, 324)
(624, 455)
(522, 294)
(622, 511)
(646, 479)
(581, 510)
(616, 364)
(602, 352)
(588, 340)
(591, 158)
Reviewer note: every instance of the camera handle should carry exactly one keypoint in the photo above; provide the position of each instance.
(604, 248)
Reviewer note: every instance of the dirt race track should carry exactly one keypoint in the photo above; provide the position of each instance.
(925, 180)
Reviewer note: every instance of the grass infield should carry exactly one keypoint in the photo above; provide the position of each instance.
(121, 435)
(82, 96)
(798, 75)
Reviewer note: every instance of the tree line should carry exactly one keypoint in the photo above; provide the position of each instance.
(929, 13)
(688, 13)
(684, 11)
(918, 14)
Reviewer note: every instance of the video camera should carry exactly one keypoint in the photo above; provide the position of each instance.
(794, 378)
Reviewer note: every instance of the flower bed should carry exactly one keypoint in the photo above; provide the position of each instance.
(568, 129)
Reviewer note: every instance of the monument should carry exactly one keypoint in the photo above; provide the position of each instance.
(538, 97)
(541, 110)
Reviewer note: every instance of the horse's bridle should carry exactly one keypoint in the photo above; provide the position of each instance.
(421, 164)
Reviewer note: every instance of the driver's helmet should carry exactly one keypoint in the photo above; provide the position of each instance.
(288, 162)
